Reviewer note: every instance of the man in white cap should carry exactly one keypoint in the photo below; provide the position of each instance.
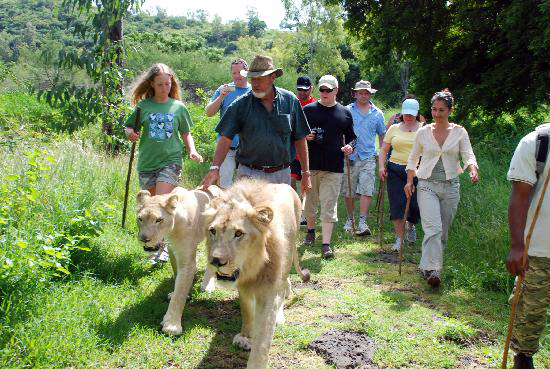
(368, 121)
(272, 128)
(332, 125)
(220, 101)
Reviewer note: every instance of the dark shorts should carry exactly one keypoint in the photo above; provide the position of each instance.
(296, 170)
(397, 178)
(169, 174)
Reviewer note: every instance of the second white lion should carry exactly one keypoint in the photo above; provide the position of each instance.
(251, 244)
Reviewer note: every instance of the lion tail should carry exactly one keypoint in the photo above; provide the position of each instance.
(304, 273)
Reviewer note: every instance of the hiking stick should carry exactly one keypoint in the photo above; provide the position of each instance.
(517, 291)
(128, 176)
(348, 166)
(377, 207)
(381, 212)
(403, 233)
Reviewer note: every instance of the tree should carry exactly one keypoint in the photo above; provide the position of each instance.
(494, 54)
(256, 27)
(102, 62)
(319, 35)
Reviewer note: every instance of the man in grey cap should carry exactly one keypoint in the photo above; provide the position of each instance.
(368, 121)
(272, 128)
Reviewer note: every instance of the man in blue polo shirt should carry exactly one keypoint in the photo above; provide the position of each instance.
(368, 121)
(271, 126)
(220, 101)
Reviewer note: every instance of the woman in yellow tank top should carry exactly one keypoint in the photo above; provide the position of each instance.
(400, 137)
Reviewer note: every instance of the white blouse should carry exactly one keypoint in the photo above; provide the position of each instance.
(426, 146)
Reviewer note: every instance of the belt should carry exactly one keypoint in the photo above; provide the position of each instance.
(267, 169)
(232, 148)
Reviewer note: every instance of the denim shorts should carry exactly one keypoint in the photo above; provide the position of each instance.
(169, 174)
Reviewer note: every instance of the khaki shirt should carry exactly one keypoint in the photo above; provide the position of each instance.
(425, 146)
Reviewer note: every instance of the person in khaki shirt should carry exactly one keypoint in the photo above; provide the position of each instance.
(441, 144)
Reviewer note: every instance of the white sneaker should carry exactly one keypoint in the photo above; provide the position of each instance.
(162, 256)
(348, 225)
(411, 233)
(397, 245)
(363, 229)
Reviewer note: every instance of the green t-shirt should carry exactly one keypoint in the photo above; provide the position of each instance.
(266, 138)
(160, 144)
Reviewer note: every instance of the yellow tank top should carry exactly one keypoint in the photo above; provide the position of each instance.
(401, 142)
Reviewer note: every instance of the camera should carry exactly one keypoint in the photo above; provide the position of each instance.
(319, 135)
(231, 87)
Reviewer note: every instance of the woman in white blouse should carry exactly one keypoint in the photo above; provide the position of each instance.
(441, 145)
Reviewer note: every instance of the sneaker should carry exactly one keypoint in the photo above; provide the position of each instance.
(434, 278)
(522, 361)
(363, 229)
(397, 245)
(303, 222)
(310, 238)
(411, 233)
(161, 256)
(348, 226)
(326, 251)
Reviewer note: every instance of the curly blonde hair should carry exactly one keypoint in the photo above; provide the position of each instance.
(142, 88)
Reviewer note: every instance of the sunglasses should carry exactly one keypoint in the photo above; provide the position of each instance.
(302, 89)
(327, 90)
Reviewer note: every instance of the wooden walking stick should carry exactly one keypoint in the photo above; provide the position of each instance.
(381, 213)
(517, 291)
(128, 176)
(348, 166)
(403, 233)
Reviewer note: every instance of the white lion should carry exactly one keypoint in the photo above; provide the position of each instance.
(177, 216)
(251, 243)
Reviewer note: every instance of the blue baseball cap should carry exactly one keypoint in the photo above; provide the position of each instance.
(410, 107)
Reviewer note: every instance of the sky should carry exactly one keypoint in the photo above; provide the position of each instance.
(270, 11)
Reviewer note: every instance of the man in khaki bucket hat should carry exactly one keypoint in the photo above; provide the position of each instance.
(272, 128)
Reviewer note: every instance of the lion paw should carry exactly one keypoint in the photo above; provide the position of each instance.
(172, 329)
(169, 297)
(242, 342)
(209, 286)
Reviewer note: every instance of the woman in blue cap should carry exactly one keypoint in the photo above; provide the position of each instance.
(400, 137)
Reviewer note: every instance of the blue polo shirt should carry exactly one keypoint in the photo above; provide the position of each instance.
(266, 138)
(366, 127)
(232, 96)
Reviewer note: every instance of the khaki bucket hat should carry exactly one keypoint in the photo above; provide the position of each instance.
(261, 66)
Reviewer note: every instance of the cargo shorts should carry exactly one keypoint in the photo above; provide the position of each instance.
(168, 174)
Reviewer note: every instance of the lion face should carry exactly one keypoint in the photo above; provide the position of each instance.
(236, 234)
(155, 218)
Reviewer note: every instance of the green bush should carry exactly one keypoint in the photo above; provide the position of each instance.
(36, 242)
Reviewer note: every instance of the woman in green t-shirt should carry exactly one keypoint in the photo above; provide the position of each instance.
(162, 115)
(156, 121)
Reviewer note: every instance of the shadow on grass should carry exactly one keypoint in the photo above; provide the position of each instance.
(110, 269)
(221, 316)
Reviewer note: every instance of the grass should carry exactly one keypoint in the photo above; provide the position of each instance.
(107, 312)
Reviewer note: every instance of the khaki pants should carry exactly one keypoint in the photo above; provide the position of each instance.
(227, 169)
(438, 201)
(532, 307)
(325, 188)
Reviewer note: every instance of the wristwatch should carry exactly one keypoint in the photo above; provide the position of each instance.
(305, 172)
(214, 167)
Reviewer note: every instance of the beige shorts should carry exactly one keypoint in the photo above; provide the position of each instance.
(325, 189)
(363, 177)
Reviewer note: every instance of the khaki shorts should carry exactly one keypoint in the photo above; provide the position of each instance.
(169, 174)
(363, 177)
(325, 189)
